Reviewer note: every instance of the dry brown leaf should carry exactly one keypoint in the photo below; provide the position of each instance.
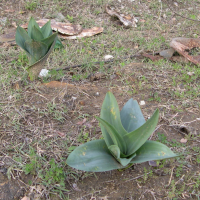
(8, 37)
(152, 57)
(184, 45)
(84, 33)
(127, 21)
(63, 28)
(82, 122)
(61, 134)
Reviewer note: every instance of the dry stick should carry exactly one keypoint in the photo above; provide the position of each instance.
(170, 179)
(137, 177)
(99, 62)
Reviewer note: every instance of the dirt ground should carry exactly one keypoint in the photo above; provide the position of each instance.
(42, 121)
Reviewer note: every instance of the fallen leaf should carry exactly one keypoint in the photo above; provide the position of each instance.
(8, 37)
(183, 47)
(61, 134)
(152, 57)
(82, 122)
(183, 140)
(63, 28)
(84, 33)
(127, 21)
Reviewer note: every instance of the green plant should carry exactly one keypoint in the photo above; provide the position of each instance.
(37, 43)
(31, 5)
(53, 175)
(125, 139)
(32, 166)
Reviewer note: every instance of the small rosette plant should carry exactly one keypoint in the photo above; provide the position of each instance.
(125, 140)
(37, 43)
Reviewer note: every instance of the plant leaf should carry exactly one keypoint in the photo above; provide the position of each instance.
(58, 44)
(46, 29)
(152, 150)
(37, 50)
(131, 116)
(48, 41)
(34, 69)
(21, 36)
(31, 24)
(115, 151)
(93, 156)
(138, 137)
(115, 136)
(110, 113)
(36, 34)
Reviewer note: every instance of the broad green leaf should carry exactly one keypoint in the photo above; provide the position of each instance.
(46, 29)
(36, 34)
(31, 24)
(152, 150)
(48, 41)
(110, 113)
(58, 44)
(93, 156)
(34, 69)
(21, 36)
(131, 116)
(36, 49)
(114, 135)
(115, 151)
(138, 137)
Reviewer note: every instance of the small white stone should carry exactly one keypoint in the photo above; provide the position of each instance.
(190, 73)
(74, 98)
(176, 4)
(108, 57)
(44, 73)
(142, 103)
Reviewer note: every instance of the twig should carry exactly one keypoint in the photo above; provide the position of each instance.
(137, 177)
(170, 179)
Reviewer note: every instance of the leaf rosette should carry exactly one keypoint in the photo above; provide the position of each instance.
(37, 43)
(125, 140)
